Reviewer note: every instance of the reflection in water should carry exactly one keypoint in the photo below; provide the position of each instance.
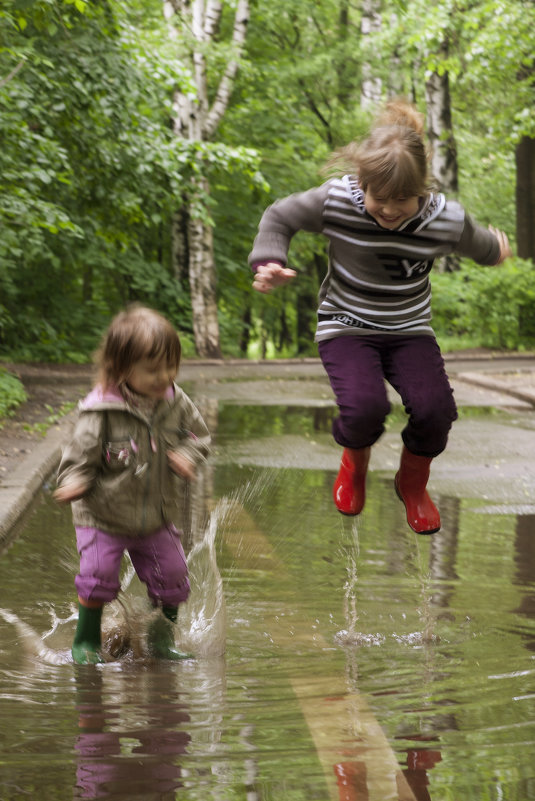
(525, 571)
(419, 762)
(358, 656)
(353, 781)
(139, 760)
(352, 777)
(443, 555)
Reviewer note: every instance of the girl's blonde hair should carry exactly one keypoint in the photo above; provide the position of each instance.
(393, 159)
(134, 334)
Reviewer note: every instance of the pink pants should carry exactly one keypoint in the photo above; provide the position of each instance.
(158, 560)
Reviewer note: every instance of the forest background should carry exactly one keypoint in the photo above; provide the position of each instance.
(141, 141)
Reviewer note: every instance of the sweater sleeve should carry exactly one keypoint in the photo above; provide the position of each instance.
(302, 211)
(478, 243)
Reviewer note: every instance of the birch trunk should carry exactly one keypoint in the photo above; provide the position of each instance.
(444, 167)
(196, 119)
(371, 89)
(202, 280)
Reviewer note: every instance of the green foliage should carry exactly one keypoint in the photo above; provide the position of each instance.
(90, 177)
(295, 120)
(53, 418)
(12, 394)
(491, 307)
(297, 97)
(91, 172)
(486, 178)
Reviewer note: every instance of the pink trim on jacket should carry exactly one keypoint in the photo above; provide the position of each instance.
(112, 395)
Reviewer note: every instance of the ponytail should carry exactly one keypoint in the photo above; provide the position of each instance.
(393, 159)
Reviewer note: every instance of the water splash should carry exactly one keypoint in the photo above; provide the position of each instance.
(348, 638)
(425, 607)
(201, 626)
(351, 636)
(202, 620)
(33, 642)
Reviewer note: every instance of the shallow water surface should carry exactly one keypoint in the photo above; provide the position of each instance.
(337, 659)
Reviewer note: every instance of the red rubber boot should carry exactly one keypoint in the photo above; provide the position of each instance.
(411, 481)
(349, 491)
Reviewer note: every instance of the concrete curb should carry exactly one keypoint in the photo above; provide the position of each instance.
(481, 380)
(19, 490)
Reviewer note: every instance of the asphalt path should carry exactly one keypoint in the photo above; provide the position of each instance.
(489, 456)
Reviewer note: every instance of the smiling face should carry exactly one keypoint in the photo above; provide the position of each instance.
(390, 212)
(152, 377)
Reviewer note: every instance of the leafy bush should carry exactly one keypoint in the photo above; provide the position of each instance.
(12, 394)
(492, 307)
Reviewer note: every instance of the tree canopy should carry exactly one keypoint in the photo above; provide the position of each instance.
(94, 178)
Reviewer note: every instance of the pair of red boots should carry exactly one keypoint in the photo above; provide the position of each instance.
(349, 489)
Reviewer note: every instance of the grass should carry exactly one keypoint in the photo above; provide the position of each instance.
(54, 417)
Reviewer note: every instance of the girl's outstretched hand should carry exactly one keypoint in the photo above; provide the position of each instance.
(505, 248)
(270, 275)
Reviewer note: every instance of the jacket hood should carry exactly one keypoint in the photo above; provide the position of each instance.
(100, 398)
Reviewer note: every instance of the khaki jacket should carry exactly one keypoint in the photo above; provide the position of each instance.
(122, 457)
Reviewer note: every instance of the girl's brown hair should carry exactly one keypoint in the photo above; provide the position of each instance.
(134, 334)
(393, 159)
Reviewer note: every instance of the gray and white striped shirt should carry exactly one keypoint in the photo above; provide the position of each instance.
(378, 279)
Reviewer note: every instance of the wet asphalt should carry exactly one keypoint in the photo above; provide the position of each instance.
(490, 454)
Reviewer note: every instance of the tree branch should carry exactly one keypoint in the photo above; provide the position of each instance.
(12, 73)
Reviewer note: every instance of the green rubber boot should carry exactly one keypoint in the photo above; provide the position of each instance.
(161, 638)
(86, 644)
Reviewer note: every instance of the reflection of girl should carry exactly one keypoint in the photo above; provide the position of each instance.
(136, 444)
(152, 769)
(384, 228)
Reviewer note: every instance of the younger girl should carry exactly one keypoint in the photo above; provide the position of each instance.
(384, 227)
(135, 447)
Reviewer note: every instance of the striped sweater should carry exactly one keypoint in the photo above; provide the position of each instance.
(377, 279)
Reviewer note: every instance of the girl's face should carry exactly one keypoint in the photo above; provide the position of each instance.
(390, 212)
(152, 377)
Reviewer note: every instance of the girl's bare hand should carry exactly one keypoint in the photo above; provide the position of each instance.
(270, 275)
(70, 492)
(181, 465)
(505, 248)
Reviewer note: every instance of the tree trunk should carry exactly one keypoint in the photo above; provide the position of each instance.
(345, 68)
(202, 280)
(179, 243)
(371, 89)
(87, 283)
(245, 338)
(440, 132)
(196, 119)
(525, 198)
(307, 303)
(444, 167)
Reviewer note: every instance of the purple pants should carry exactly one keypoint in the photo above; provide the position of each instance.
(158, 560)
(357, 367)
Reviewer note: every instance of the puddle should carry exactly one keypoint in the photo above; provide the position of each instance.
(338, 658)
